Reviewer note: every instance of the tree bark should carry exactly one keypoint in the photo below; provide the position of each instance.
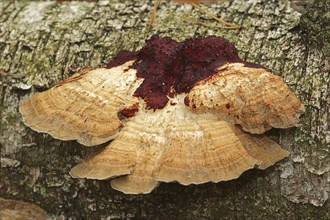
(42, 42)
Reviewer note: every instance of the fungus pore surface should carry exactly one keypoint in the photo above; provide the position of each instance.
(190, 112)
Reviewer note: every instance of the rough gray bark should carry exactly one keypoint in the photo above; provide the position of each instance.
(43, 42)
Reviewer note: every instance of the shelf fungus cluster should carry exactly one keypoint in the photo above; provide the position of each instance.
(191, 112)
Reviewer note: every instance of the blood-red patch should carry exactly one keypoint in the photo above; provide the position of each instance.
(169, 66)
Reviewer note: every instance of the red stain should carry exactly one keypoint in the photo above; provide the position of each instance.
(186, 100)
(130, 111)
(170, 67)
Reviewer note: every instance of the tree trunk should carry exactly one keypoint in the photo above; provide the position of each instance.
(42, 42)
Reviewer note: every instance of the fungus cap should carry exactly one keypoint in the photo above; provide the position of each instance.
(19, 210)
(191, 112)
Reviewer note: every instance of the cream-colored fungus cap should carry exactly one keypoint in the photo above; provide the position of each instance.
(19, 210)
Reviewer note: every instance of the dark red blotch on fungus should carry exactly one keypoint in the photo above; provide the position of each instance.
(130, 111)
(168, 66)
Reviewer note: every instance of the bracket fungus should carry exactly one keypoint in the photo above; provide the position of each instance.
(19, 210)
(191, 112)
